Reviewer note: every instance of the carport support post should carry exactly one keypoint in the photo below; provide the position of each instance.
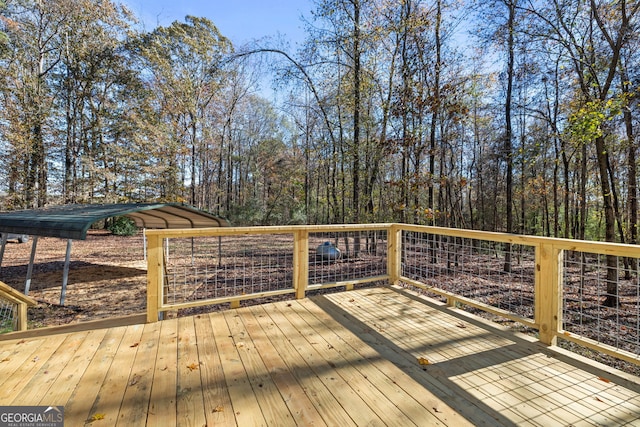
(65, 273)
(27, 283)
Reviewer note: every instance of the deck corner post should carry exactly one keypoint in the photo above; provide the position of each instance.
(300, 262)
(394, 252)
(154, 276)
(548, 288)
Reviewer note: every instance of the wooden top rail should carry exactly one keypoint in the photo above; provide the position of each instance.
(276, 229)
(604, 248)
(7, 292)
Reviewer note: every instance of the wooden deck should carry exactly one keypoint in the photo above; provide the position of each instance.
(373, 356)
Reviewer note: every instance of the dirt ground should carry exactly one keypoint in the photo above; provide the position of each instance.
(107, 277)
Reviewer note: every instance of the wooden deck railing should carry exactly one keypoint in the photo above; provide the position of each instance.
(556, 286)
(13, 308)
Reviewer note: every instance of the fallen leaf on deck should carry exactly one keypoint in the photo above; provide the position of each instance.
(193, 366)
(423, 361)
(461, 325)
(6, 359)
(604, 379)
(134, 345)
(218, 408)
(96, 417)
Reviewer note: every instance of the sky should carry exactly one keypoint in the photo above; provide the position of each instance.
(239, 20)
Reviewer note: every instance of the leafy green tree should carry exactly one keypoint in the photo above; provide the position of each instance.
(594, 35)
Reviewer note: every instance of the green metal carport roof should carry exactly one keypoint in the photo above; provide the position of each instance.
(73, 221)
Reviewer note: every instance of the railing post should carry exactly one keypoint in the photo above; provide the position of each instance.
(300, 262)
(154, 276)
(20, 301)
(21, 324)
(394, 253)
(548, 288)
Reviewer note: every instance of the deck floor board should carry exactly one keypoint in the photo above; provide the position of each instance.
(87, 389)
(292, 391)
(272, 406)
(217, 403)
(372, 356)
(190, 399)
(110, 399)
(244, 403)
(162, 405)
(296, 359)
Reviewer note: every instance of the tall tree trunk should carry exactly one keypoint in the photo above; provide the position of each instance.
(632, 178)
(435, 109)
(193, 137)
(609, 216)
(582, 200)
(632, 172)
(356, 111)
(508, 129)
(406, 94)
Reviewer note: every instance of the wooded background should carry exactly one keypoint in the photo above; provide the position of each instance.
(505, 115)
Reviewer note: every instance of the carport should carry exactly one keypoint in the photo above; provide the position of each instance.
(72, 222)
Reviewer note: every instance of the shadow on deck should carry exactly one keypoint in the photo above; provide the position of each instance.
(373, 356)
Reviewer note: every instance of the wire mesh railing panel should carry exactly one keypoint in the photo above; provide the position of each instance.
(344, 256)
(497, 274)
(601, 299)
(8, 315)
(206, 268)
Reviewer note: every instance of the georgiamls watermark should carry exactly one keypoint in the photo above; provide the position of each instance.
(31, 416)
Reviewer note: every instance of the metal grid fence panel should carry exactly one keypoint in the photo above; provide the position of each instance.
(8, 315)
(203, 268)
(496, 274)
(601, 299)
(346, 256)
